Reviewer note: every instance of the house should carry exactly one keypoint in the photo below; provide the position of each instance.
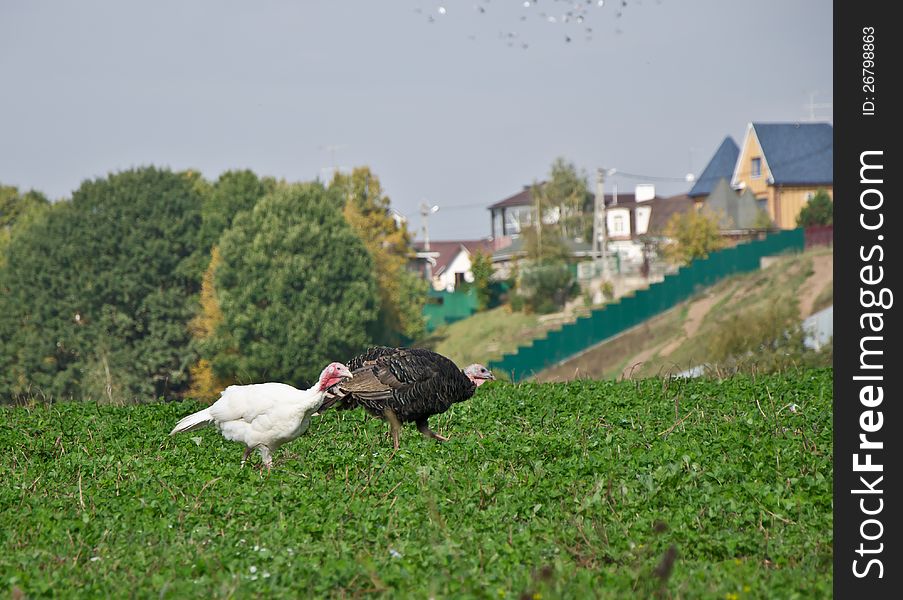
(628, 217)
(721, 166)
(783, 165)
(446, 264)
(738, 212)
(510, 216)
(665, 208)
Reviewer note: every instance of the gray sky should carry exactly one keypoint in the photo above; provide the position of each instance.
(454, 111)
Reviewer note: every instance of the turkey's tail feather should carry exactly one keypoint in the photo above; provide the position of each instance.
(197, 420)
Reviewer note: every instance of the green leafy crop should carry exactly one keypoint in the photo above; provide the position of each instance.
(651, 488)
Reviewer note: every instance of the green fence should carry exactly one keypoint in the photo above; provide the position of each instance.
(613, 319)
(443, 308)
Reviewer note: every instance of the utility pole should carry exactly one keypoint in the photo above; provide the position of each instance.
(425, 212)
(599, 228)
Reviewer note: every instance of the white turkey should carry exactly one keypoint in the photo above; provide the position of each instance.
(264, 415)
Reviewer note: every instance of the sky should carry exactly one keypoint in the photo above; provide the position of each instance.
(453, 103)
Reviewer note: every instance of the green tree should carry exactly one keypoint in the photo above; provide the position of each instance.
(232, 193)
(543, 239)
(295, 286)
(566, 192)
(401, 292)
(545, 283)
(98, 291)
(693, 234)
(818, 211)
(481, 267)
(16, 209)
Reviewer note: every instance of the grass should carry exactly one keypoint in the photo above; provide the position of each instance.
(489, 334)
(652, 488)
(825, 298)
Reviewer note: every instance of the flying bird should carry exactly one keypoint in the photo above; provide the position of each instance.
(264, 415)
(404, 385)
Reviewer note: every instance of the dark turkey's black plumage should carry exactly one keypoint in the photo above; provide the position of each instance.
(414, 383)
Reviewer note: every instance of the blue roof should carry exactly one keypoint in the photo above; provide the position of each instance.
(720, 167)
(798, 153)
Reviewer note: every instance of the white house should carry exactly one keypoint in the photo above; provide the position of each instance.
(446, 264)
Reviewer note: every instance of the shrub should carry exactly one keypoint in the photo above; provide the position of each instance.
(547, 286)
(818, 211)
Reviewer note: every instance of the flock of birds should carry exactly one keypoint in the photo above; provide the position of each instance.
(573, 13)
(400, 385)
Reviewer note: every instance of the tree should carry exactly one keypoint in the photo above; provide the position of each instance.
(295, 286)
(232, 193)
(204, 384)
(693, 234)
(99, 290)
(545, 282)
(401, 292)
(543, 239)
(17, 209)
(566, 191)
(481, 267)
(818, 211)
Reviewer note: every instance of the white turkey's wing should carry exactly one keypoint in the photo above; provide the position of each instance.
(249, 402)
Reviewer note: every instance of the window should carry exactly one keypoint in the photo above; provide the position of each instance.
(617, 225)
(762, 202)
(512, 222)
(459, 280)
(756, 168)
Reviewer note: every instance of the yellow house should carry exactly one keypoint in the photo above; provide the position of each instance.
(784, 165)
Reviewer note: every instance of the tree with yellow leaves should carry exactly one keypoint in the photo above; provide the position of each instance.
(693, 234)
(205, 385)
(401, 293)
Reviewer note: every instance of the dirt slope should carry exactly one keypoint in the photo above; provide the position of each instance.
(675, 340)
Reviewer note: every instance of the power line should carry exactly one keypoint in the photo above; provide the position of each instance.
(665, 178)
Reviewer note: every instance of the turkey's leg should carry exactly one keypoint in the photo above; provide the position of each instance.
(394, 424)
(266, 456)
(245, 455)
(424, 427)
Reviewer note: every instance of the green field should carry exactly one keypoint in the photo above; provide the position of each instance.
(573, 490)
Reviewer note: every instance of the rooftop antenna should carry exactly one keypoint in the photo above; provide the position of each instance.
(332, 168)
(813, 105)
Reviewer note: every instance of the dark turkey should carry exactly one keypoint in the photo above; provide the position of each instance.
(406, 384)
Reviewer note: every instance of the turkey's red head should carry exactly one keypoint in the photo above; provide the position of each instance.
(478, 374)
(333, 374)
